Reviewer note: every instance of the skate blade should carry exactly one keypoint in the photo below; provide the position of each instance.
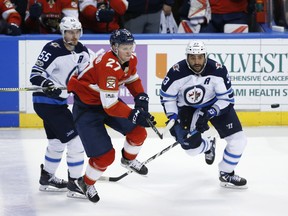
(73, 194)
(232, 186)
(49, 188)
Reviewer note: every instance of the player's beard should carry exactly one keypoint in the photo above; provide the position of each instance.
(197, 68)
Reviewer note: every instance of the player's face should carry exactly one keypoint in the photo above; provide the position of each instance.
(72, 36)
(196, 61)
(125, 52)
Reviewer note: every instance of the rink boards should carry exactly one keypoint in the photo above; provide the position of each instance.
(257, 65)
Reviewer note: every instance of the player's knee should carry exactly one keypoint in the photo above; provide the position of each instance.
(192, 142)
(75, 146)
(103, 161)
(55, 145)
(137, 136)
(236, 143)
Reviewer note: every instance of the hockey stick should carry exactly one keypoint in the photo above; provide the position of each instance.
(168, 127)
(26, 89)
(115, 179)
(154, 128)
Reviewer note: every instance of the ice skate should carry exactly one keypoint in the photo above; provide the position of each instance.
(134, 165)
(89, 190)
(49, 182)
(210, 154)
(73, 190)
(230, 180)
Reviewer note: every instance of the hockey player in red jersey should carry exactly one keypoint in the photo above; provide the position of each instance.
(101, 16)
(44, 16)
(96, 104)
(11, 19)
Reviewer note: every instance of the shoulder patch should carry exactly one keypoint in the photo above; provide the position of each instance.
(74, 4)
(54, 44)
(176, 67)
(8, 4)
(218, 65)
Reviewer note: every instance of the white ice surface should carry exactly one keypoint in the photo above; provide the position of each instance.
(177, 184)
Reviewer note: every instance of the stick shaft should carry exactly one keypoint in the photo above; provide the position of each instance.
(115, 179)
(154, 129)
(26, 89)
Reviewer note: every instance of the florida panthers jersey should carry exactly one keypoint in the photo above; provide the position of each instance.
(88, 9)
(182, 87)
(8, 12)
(52, 13)
(58, 64)
(99, 84)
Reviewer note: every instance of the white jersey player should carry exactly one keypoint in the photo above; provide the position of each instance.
(57, 62)
(197, 90)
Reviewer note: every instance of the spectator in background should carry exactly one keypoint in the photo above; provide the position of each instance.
(44, 16)
(143, 16)
(226, 11)
(20, 6)
(208, 18)
(10, 19)
(101, 16)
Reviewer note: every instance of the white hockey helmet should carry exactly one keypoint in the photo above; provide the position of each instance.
(196, 47)
(70, 23)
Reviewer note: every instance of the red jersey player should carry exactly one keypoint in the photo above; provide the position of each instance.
(12, 19)
(44, 16)
(96, 104)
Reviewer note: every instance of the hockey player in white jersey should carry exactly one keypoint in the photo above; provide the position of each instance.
(197, 90)
(57, 62)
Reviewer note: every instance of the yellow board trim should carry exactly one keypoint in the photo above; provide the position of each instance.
(246, 118)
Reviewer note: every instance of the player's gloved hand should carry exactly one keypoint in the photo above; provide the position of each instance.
(13, 29)
(50, 89)
(177, 130)
(142, 101)
(202, 122)
(105, 15)
(35, 11)
(140, 117)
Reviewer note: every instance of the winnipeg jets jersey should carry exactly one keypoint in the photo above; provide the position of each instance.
(58, 64)
(182, 87)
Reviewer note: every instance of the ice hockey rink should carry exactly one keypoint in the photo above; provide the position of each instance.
(177, 184)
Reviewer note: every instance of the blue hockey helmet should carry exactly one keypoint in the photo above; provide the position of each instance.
(121, 36)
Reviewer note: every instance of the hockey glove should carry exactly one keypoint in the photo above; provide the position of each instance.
(142, 101)
(177, 130)
(202, 121)
(50, 90)
(105, 15)
(13, 29)
(35, 11)
(140, 117)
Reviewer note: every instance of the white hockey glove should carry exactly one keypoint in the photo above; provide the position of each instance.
(199, 12)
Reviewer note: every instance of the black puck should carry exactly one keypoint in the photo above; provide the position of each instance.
(275, 105)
